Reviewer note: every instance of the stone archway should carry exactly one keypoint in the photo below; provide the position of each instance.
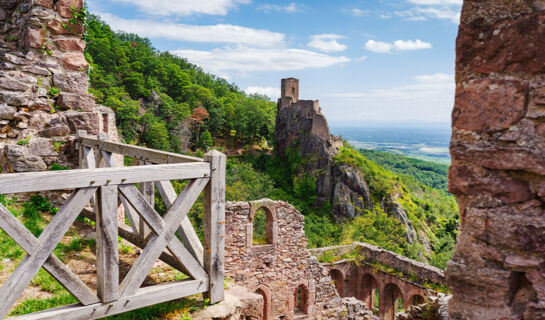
(268, 207)
(266, 294)
(301, 300)
(389, 301)
(338, 278)
(367, 290)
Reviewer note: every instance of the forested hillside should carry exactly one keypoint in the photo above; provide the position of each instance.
(164, 102)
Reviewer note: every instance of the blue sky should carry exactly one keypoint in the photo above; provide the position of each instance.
(366, 61)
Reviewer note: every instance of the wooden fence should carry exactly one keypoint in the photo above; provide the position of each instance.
(105, 183)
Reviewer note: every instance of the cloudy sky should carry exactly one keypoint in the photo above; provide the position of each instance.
(367, 61)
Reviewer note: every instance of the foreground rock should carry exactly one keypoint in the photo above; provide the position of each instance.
(498, 169)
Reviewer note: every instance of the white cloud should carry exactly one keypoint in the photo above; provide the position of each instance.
(220, 33)
(327, 42)
(290, 8)
(428, 98)
(271, 92)
(184, 7)
(244, 59)
(361, 59)
(398, 45)
(358, 12)
(432, 9)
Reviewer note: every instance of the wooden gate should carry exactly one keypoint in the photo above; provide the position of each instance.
(105, 188)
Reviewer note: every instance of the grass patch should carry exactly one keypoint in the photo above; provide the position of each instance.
(36, 304)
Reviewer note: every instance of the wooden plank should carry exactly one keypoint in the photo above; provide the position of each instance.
(192, 266)
(82, 178)
(142, 298)
(32, 262)
(15, 229)
(164, 229)
(106, 245)
(187, 233)
(214, 225)
(140, 153)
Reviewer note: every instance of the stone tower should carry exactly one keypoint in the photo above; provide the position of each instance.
(290, 89)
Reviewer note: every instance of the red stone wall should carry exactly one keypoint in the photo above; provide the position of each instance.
(498, 162)
(44, 95)
(276, 270)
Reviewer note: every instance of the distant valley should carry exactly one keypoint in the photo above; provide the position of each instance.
(427, 142)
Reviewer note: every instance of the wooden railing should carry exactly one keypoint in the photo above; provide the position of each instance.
(103, 182)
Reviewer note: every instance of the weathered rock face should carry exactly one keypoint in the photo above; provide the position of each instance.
(498, 168)
(302, 128)
(279, 269)
(44, 95)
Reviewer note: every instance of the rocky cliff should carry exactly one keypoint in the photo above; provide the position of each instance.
(302, 131)
(44, 95)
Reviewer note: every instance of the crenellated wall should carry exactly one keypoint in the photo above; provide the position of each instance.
(498, 163)
(44, 95)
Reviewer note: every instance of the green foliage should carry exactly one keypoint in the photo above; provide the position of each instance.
(154, 94)
(259, 235)
(381, 181)
(377, 228)
(53, 92)
(57, 167)
(24, 142)
(206, 140)
(429, 173)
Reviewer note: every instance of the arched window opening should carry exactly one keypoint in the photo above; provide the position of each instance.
(301, 300)
(376, 301)
(260, 234)
(399, 304)
(338, 280)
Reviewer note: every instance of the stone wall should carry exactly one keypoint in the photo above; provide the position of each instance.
(44, 95)
(498, 164)
(370, 253)
(276, 270)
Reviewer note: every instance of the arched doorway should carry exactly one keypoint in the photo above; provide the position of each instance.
(368, 288)
(338, 278)
(301, 300)
(390, 302)
(264, 292)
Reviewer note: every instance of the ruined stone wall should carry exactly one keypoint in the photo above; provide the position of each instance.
(277, 269)
(44, 95)
(498, 164)
(370, 253)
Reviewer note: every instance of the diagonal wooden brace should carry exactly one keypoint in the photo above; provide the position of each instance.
(33, 261)
(15, 229)
(164, 234)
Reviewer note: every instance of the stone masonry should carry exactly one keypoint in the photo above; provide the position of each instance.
(498, 163)
(44, 95)
(278, 270)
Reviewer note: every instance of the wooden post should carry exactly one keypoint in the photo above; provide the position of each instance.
(148, 190)
(214, 225)
(107, 249)
(79, 134)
